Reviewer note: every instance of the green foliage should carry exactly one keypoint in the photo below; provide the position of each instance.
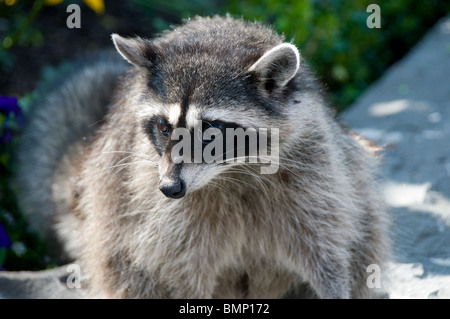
(163, 13)
(26, 251)
(18, 17)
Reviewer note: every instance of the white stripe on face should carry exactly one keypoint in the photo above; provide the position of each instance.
(193, 115)
(169, 111)
(174, 113)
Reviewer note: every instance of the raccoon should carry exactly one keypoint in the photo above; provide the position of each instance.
(98, 171)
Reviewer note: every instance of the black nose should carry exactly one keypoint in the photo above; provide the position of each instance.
(173, 189)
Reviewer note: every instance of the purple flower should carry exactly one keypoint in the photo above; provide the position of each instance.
(12, 118)
(9, 105)
(5, 242)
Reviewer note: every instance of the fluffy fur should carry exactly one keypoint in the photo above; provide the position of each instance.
(235, 233)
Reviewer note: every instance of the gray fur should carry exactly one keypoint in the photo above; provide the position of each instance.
(59, 120)
(236, 233)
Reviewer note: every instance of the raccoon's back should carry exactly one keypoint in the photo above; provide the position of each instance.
(67, 110)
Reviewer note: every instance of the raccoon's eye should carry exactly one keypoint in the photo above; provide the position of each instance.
(217, 124)
(163, 126)
(214, 124)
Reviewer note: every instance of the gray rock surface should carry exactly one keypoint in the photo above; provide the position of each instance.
(408, 112)
(45, 284)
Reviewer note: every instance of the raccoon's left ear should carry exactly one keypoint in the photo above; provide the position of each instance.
(137, 51)
(277, 66)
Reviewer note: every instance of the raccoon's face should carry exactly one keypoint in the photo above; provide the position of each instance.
(205, 115)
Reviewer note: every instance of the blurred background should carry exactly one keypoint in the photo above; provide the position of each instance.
(332, 36)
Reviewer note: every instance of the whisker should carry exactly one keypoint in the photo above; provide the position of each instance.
(124, 165)
(218, 185)
(258, 178)
(235, 180)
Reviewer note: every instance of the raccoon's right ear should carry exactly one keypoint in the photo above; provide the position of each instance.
(277, 67)
(137, 51)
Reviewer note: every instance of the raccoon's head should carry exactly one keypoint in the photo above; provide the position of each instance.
(201, 81)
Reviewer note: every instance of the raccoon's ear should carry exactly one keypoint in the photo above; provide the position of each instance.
(137, 51)
(277, 66)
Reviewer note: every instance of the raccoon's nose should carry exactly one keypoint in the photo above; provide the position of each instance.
(172, 189)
